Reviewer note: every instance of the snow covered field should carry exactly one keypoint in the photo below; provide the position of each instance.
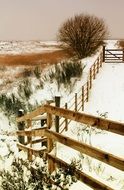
(106, 95)
(24, 47)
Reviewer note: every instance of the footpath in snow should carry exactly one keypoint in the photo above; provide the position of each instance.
(107, 96)
(107, 93)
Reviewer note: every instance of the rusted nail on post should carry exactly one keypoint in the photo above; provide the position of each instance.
(57, 104)
(75, 101)
(21, 126)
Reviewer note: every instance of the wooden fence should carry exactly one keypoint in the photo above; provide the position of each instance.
(47, 136)
(77, 102)
(46, 133)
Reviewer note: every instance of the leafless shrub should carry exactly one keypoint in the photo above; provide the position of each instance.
(82, 34)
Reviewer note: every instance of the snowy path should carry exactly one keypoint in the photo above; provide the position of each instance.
(107, 93)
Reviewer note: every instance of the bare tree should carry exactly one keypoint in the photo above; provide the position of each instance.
(82, 35)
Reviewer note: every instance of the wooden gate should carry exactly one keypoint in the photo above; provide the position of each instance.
(113, 55)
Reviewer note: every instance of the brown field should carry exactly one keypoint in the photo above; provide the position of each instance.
(34, 59)
(16, 67)
(121, 43)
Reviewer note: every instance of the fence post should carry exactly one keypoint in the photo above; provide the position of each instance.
(87, 91)
(29, 139)
(94, 74)
(99, 61)
(29, 124)
(98, 65)
(103, 54)
(57, 104)
(51, 165)
(21, 126)
(90, 77)
(66, 120)
(82, 98)
(75, 101)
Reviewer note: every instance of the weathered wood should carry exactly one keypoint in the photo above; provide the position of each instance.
(90, 86)
(57, 104)
(29, 125)
(35, 152)
(49, 120)
(29, 140)
(21, 126)
(101, 123)
(82, 98)
(123, 55)
(43, 139)
(103, 54)
(51, 164)
(87, 149)
(31, 115)
(75, 101)
(39, 117)
(87, 91)
(101, 60)
(80, 175)
(34, 132)
(112, 55)
(94, 72)
(97, 65)
(66, 120)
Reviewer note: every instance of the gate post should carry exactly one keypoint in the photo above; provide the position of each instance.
(103, 54)
(123, 55)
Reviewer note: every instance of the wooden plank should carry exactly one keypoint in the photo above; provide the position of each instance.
(44, 139)
(96, 153)
(80, 175)
(31, 115)
(101, 123)
(34, 132)
(114, 50)
(40, 117)
(35, 152)
(75, 101)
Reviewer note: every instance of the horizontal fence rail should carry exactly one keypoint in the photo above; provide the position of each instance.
(85, 178)
(101, 123)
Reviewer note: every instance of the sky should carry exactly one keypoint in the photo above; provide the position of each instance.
(41, 19)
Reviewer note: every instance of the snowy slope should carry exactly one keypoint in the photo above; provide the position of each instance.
(106, 96)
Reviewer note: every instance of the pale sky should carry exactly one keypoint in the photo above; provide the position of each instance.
(40, 19)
